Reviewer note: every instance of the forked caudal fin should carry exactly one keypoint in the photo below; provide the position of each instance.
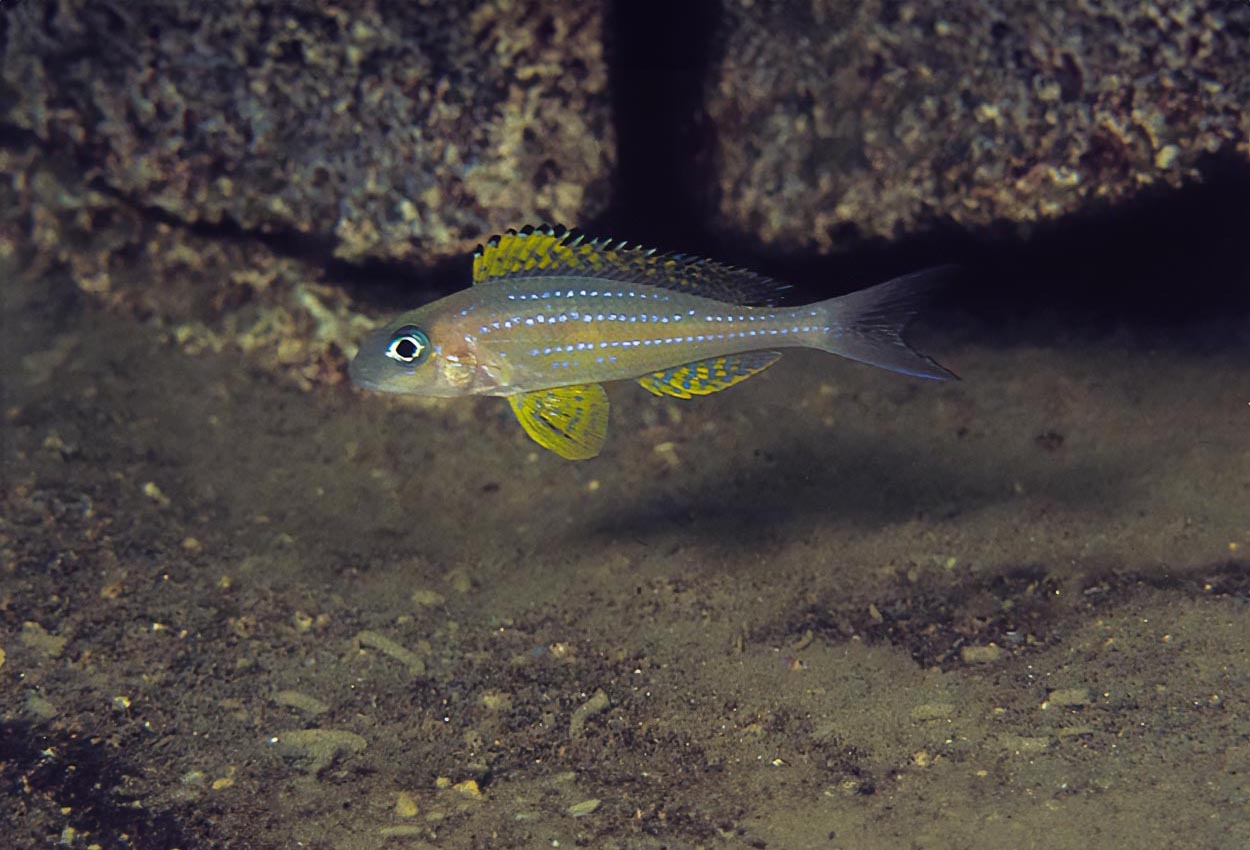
(868, 325)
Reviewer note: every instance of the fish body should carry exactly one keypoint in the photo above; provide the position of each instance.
(553, 315)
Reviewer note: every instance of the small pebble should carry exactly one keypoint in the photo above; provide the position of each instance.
(596, 704)
(1167, 157)
(153, 492)
(319, 748)
(585, 807)
(1068, 698)
(302, 702)
(36, 637)
(496, 701)
(39, 708)
(386, 646)
(406, 805)
(424, 598)
(980, 654)
(468, 788)
(459, 581)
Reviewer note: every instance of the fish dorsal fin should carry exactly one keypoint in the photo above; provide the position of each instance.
(571, 421)
(704, 377)
(547, 251)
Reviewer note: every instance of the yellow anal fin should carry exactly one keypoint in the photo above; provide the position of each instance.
(571, 421)
(704, 377)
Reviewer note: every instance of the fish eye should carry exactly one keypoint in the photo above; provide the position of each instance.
(409, 344)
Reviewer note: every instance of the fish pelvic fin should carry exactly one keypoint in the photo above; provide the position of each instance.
(570, 421)
(554, 251)
(868, 325)
(704, 377)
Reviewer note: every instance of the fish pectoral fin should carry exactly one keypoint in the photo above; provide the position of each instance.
(704, 377)
(570, 421)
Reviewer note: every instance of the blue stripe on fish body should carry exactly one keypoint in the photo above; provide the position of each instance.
(626, 321)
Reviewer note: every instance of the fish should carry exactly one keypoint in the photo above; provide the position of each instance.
(553, 314)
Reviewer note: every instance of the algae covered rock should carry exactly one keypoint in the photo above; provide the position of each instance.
(835, 116)
(397, 131)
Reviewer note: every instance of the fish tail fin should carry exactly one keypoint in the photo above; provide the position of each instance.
(868, 325)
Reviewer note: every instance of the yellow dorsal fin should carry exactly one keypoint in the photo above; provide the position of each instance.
(547, 251)
(704, 377)
(571, 421)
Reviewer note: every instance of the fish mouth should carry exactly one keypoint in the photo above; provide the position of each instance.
(363, 369)
(359, 376)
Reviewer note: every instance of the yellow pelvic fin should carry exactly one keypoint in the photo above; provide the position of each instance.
(547, 251)
(704, 377)
(571, 421)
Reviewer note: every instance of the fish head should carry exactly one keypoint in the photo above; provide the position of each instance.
(416, 354)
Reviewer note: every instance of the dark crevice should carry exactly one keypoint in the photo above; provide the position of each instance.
(1170, 267)
(15, 138)
(660, 55)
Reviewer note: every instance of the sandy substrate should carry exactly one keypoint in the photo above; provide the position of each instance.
(830, 608)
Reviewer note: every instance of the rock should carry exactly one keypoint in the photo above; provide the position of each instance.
(389, 647)
(318, 748)
(35, 637)
(1067, 698)
(833, 117)
(406, 805)
(585, 807)
(596, 704)
(468, 788)
(39, 707)
(496, 701)
(426, 598)
(980, 654)
(396, 131)
(302, 702)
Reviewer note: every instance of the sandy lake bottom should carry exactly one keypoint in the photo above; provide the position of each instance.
(830, 608)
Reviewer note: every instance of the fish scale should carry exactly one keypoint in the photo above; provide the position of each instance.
(627, 332)
(553, 315)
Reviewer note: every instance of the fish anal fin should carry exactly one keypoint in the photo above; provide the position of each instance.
(704, 377)
(570, 421)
